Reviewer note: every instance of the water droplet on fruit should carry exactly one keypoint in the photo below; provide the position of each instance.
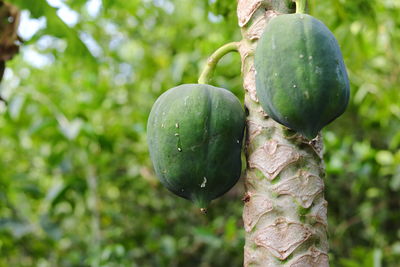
(204, 182)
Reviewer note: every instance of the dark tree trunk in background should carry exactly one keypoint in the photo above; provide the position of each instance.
(9, 40)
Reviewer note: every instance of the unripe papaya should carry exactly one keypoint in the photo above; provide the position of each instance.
(195, 134)
(301, 79)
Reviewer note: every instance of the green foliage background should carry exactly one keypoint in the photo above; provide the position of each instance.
(76, 184)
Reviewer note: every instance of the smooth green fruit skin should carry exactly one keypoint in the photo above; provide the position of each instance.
(195, 134)
(301, 79)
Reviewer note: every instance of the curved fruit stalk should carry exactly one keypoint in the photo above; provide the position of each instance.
(205, 76)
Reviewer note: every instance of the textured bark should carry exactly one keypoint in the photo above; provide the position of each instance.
(9, 21)
(9, 40)
(285, 210)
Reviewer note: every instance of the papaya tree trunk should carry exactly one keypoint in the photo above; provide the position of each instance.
(285, 211)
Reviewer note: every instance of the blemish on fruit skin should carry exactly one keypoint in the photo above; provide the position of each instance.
(204, 182)
(178, 144)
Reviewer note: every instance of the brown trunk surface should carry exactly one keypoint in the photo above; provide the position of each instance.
(9, 40)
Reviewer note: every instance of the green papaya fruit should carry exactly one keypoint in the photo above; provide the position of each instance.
(301, 79)
(195, 133)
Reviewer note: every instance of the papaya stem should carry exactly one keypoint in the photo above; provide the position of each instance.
(301, 6)
(208, 70)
